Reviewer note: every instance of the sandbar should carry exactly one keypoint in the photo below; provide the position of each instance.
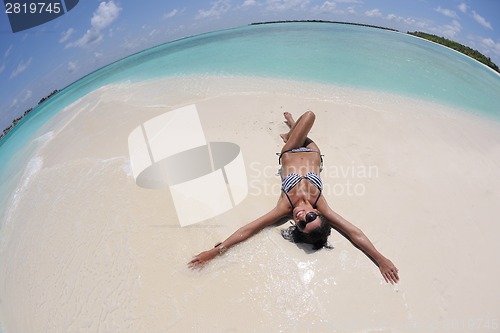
(86, 249)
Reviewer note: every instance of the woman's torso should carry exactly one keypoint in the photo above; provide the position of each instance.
(302, 163)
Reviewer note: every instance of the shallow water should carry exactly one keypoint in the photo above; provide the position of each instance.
(325, 53)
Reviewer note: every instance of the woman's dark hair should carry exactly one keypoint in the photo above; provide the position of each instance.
(318, 237)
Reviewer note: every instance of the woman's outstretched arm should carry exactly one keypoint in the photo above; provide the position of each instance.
(240, 235)
(360, 240)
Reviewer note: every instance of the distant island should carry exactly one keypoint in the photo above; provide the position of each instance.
(27, 112)
(457, 47)
(323, 21)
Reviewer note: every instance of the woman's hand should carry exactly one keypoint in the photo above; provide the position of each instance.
(389, 271)
(201, 259)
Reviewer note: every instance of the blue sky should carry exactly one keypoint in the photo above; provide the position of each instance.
(36, 61)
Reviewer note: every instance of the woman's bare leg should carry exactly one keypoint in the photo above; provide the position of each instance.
(297, 136)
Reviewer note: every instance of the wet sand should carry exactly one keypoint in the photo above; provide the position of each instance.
(86, 249)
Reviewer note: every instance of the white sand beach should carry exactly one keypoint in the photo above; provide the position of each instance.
(86, 249)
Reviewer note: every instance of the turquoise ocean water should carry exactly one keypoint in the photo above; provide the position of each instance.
(347, 55)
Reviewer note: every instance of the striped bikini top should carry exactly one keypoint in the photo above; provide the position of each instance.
(293, 179)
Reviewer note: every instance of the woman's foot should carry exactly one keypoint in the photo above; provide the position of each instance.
(289, 122)
(289, 119)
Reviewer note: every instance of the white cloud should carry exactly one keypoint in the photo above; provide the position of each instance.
(66, 35)
(147, 38)
(351, 10)
(218, 8)
(488, 42)
(7, 52)
(21, 67)
(14, 103)
(449, 30)
(24, 96)
(2, 68)
(249, 3)
(106, 13)
(91, 36)
(463, 7)
(392, 17)
(406, 20)
(446, 12)
(171, 14)
(72, 66)
(327, 6)
(373, 13)
(481, 20)
(282, 5)
(490, 46)
(334, 8)
(27, 95)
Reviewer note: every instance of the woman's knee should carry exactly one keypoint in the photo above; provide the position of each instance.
(309, 116)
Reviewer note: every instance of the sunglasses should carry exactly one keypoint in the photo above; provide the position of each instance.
(311, 216)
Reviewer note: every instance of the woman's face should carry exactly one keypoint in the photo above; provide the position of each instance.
(306, 219)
